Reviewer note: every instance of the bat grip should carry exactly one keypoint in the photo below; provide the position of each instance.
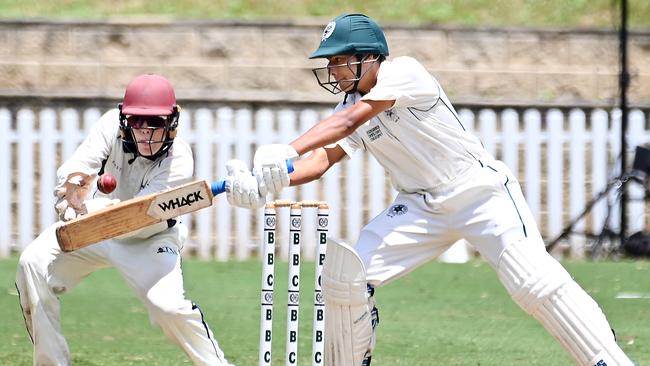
(219, 186)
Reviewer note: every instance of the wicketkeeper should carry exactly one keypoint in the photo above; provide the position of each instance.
(449, 187)
(137, 144)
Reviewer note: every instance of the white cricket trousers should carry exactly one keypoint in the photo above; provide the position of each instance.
(485, 206)
(151, 267)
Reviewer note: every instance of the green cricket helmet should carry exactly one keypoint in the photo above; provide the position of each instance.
(352, 34)
(349, 34)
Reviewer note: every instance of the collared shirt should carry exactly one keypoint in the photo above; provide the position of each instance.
(134, 177)
(421, 142)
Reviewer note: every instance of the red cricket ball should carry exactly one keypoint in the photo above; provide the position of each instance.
(106, 183)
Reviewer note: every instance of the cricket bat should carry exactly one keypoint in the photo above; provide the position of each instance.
(136, 213)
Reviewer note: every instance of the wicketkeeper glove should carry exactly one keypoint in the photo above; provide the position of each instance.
(71, 193)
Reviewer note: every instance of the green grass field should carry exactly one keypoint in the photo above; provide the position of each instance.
(584, 13)
(441, 314)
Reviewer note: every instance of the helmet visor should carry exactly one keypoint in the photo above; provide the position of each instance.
(327, 81)
(342, 77)
(148, 133)
(147, 121)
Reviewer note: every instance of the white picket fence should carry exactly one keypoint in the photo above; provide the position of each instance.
(563, 159)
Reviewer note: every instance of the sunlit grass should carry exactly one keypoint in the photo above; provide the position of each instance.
(582, 13)
(441, 314)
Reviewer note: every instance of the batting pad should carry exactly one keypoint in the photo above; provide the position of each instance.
(545, 290)
(348, 328)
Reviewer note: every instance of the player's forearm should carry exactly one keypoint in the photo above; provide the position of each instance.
(310, 168)
(326, 132)
(339, 125)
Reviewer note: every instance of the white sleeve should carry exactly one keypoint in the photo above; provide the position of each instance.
(405, 81)
(88, 156)
(349, 144)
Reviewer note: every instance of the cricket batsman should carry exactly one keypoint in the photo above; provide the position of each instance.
(137, 144)
(449, 188)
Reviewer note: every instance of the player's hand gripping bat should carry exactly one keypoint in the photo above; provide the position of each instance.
(136, 213)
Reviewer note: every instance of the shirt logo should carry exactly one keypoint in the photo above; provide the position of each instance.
(390, 113)
(396, 210)
(329, 29)
(374, 133)
(167, 250)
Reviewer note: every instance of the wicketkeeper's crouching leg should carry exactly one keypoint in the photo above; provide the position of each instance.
(350, 312)
(544, 289)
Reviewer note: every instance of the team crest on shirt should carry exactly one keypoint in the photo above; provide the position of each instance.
(390, 113)
(327, 32)
(398, 209)
(167, 250)
(374, 133)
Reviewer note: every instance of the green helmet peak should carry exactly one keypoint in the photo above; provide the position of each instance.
(351, 34)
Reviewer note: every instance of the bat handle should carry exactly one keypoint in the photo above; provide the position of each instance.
(219, 186)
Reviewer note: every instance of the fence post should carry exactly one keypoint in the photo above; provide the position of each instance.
(510, 139)
(577, 203)
(203, 163)
(90, 117)
(533, 121)
(48, 166)
(599, 165)
(243, 122)
(332, 192)
(71, 135)
(554, 169)
(488, 129)
(224, 211)
(185, 132)
(5, 184)
(615, 158)
(26, 189)
(309, 191)
(467, 119)
(636, 207)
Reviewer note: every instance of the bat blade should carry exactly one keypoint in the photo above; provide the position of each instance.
(131, 215)
(136, 213)
(181, 200)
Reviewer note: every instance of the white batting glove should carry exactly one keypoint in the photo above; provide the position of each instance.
(241, 186)
(270, 167)
(71, 193)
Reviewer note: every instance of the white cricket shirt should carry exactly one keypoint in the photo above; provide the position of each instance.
(134, 177)
(420, 141)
